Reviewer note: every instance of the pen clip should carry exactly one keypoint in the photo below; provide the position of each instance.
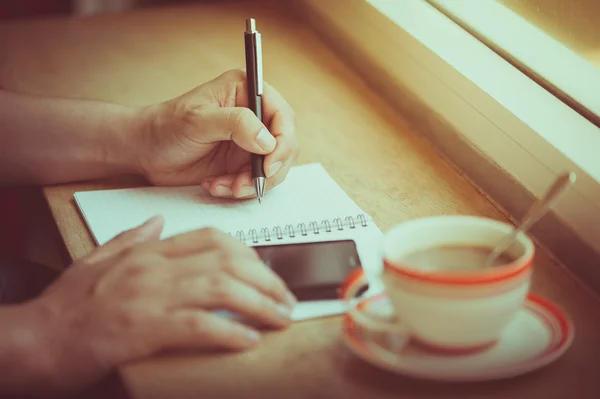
(259, 66)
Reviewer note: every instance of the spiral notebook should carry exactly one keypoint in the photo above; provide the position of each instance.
(309, 206)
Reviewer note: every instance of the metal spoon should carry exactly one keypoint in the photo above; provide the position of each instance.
(537, 210)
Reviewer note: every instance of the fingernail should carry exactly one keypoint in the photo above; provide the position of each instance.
(274, 168)
(290, 300)
(246, 190)
(223, 191)
(265, 140)
(253, 336)
(283, 311)
(150, 229)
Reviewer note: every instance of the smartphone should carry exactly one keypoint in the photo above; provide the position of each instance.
(312, 271)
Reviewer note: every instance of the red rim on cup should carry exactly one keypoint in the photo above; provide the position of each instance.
(411, 231)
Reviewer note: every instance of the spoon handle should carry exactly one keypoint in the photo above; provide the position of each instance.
(546, 201)
(535, 212)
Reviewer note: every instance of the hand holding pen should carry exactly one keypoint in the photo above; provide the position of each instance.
(207, 134)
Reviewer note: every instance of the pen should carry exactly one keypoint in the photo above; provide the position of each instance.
(254, 77)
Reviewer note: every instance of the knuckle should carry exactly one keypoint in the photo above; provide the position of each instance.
(135, 271)
(242, 119)
(131, 255)
(136, 268)
(236, 74)
(87, 260)
(132, 291)
(235, 260)
(221, 289)
(127, 318)
(135, 284)
(196, 324)
(227, 261)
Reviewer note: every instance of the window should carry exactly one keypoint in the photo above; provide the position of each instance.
(573, 23)
(505, 105)
(554, 42)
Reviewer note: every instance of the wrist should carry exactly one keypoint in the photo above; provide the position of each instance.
(25, 350)
(149, 126)
(123, 133)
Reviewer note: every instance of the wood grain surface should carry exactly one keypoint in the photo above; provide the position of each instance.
(384, 164)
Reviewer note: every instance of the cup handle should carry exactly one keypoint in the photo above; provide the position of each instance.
(355, 282)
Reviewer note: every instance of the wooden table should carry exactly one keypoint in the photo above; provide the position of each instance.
(383, 163)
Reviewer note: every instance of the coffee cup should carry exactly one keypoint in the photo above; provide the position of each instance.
(441, 293)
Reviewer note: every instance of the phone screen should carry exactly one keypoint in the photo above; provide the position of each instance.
(312, 271)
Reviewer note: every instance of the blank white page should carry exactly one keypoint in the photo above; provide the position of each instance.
(308, 194)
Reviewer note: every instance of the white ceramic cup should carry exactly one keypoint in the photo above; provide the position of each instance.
(450, 311)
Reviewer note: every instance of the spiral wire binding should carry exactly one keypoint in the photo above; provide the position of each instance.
(277, 233)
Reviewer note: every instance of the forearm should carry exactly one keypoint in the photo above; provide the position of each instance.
(23, 360)
(54, 140)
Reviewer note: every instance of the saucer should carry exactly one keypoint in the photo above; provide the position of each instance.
(539, 334)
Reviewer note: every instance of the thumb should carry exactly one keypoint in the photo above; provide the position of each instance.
(240, 125)
(148, 231)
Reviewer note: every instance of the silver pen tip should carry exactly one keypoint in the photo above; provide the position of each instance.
(259, 187)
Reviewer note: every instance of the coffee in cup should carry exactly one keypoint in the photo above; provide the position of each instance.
(457, 258)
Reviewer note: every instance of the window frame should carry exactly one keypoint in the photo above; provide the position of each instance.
(541, 57)
(459, 91)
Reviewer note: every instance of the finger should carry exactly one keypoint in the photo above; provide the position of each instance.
(148, 231)
(248, 269)
(237, 185)
(225, 180)
(277, 113)
(197, 328)
(222, 291)
(238, 124)
(274, 105)
(225, 186)
(201, 240)
(240, 185)
(285, 153)
(280, 176)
